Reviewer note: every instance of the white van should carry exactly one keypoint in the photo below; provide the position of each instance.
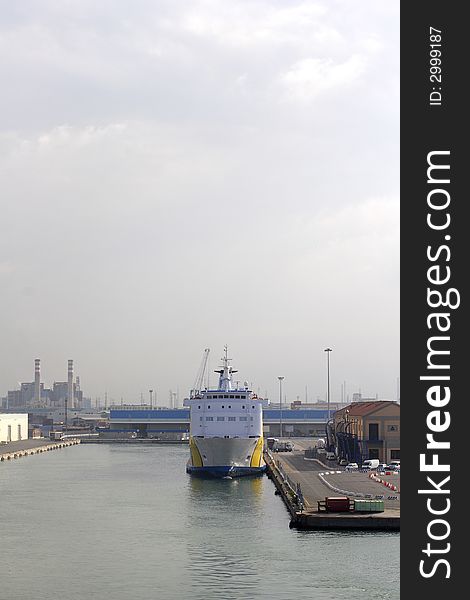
(371, 464)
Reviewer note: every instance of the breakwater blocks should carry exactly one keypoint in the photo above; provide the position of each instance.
(6, 456)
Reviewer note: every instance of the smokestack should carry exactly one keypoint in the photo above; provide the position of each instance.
(37, 382)
(70, 399)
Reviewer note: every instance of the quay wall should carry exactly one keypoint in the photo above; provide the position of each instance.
(19, 453)
(284, 490)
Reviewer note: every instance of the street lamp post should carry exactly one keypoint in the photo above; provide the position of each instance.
(328, 350)
(280, 377)
(150, 392)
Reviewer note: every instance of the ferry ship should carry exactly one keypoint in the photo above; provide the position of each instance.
(226, 429)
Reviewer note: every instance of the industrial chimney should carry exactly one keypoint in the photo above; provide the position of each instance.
(70, 399)
(37, 382)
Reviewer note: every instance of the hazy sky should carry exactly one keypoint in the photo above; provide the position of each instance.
(177, 175)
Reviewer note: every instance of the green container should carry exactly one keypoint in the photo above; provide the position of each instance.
(369, 506)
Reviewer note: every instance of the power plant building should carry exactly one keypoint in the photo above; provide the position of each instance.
(13, 427)
(35, 395)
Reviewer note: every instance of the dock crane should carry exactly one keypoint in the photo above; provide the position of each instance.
(198, 384)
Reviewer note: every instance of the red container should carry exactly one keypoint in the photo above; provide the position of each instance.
(337, 504)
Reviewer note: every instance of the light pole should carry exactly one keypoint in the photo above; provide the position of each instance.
(150, 392)
(280, 377)
(328, 350)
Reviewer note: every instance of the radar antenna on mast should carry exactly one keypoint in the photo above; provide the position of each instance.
(225, 372)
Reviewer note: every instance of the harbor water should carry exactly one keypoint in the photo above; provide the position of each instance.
(125, 522)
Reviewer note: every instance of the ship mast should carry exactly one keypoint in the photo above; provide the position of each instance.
(225, 372)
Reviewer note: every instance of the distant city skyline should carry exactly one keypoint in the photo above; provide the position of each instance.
(177, 176)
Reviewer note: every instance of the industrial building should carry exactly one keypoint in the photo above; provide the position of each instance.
(366, 430)
(153, 422)
(34, 394)
(13, 427)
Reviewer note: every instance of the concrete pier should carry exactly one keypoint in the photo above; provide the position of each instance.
(141, 441)
(302, 484)
(28, 447)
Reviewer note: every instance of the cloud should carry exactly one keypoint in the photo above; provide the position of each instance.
(310, 77)
(251, 24)
(180, 175)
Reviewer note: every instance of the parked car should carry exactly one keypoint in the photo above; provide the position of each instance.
(382, 467)
(392, 467)
(351, 467)
(330, 456)
(343, 462)
(283, 447)
(371, 464)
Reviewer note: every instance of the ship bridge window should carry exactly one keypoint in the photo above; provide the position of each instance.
(237, 396)
(220, 418)
(226, 396)
(242, 418)
(232, 396)
(232, 418)
(209, 418)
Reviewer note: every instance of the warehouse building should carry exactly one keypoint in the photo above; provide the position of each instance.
(153, 422)
(368, 430)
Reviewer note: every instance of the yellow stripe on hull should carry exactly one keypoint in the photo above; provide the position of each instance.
(257, 455)
(196, 458)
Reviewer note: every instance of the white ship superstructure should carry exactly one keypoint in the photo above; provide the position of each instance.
(226, 429)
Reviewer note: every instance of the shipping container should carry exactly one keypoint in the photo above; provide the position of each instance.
(337, 504)
(369, 506)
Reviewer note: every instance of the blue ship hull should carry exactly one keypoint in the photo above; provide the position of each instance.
(221, 472)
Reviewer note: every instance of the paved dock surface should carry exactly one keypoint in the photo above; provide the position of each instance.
(307, 474)
(315, 480)
(24, 445)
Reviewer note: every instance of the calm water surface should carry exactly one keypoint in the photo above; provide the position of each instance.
(120, 523)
